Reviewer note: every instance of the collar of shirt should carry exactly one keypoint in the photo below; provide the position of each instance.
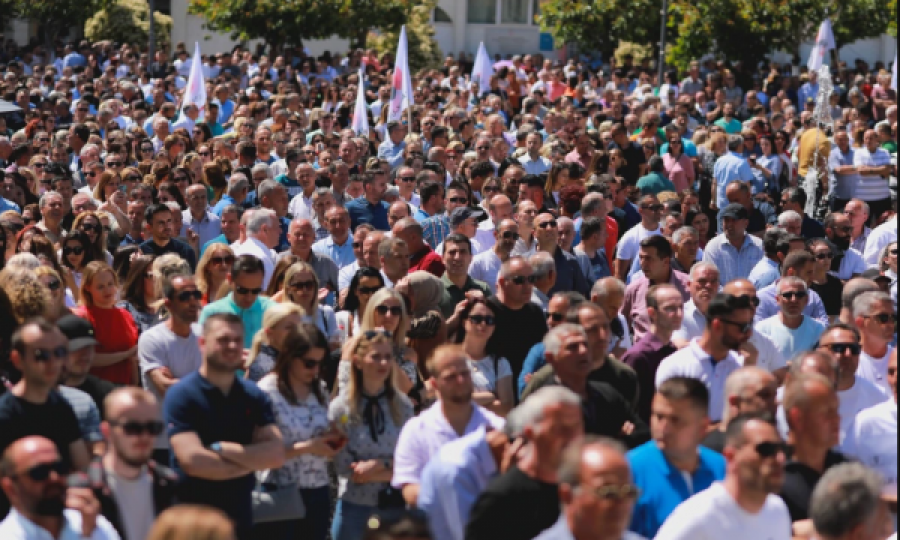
(262, 248)
(189, 217)
(23, 528)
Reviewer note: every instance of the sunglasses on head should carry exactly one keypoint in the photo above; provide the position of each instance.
(790, 295)
(303, 285)
(44, 355)
(185, 296)
(69, 250)
(842, 348)
(133, 429)
(40, 473)
(245, 290)
(486, 319)
(771, 449)
(521, 280)
(396, 311)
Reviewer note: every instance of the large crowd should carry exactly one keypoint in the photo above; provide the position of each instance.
(578, 303)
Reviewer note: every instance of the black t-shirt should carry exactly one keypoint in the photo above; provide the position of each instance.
(800, 481)
(634, 158)
(516, 332)
(513, 506)
(185, 251)
(830, 292)
(98, 389)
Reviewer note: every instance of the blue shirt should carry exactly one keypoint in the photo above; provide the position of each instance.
(730, 168)
(252, 317)
(765, 273)
(362, 211)
(194, 405)
(435, 229)
(342, 255)
(768, 305)
(533, 362)
(226, 109)
(663, 487)
(790, 341)
(733, 263)
(6, 204)
(420, 215)
(690, 149)
(393, 153)
(223, 202)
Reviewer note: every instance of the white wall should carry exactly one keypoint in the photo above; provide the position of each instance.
(871, 50)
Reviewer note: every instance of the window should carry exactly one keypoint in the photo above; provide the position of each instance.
(513, 12)
(536, 11)
(441, 16)
(482, 11)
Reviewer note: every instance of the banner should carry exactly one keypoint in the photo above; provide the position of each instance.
(824, 43)
(401, 84)
(483, 70)
(360, 124)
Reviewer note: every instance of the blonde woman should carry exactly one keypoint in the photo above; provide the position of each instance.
(371, 412)
(212, 272)
(277, 321)
(301, 287)
(50, 279)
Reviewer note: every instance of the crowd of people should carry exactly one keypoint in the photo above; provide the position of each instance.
(577, 304)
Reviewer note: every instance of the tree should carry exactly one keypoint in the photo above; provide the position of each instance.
(56, 17)
(277, 22)
(424, 51)
(358, 17)
(128, 21)
(858, 19)
(601, 25)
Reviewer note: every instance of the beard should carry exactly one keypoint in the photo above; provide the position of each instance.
(52, 502)
(842, 242)
(732, 344)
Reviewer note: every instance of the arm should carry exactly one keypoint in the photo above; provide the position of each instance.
(201, 462)
(108, 359)
(505, 396)
(161, 379)
(533, 362)
(411, 494)
(622, 267)
(265, 452)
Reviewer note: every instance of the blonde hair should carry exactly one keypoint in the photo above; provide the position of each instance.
(368, 318)
(272, 317)
(91, 271)
(27, 295)
(164, 268)
(293, 270)
(192, 522)
(202, 279)
(105, 178)
(357, 350)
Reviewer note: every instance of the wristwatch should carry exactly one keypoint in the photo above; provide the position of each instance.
(216, 447)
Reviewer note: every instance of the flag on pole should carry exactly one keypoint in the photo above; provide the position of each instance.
(824, 43)
(195, 91)
(894, 74)
(483, 69)
(401, 84)
(360, 124)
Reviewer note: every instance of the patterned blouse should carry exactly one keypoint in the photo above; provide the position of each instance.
(143, 319)
(263, 364)
(301, 422)
(408, 367)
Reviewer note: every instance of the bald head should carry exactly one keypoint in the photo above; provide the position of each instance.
(739, 287)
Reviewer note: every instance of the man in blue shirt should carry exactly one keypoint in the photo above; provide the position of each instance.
(238, 188)
(729, 168)
(673, 466)
(371, 207)
(392, 148)
(221, 427)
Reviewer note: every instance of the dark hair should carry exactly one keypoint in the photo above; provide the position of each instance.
(660, 243)
(591, 226)
(276, 282)
(228, 318)
(460, 334)
(480, 169)
(838, 325)
(723, 304)
(795, 261)
(689, 388)
(656, 163)
(154, 209)
(457, 238)
(297, 343)
(122, 260)
(734, 432)
(133, 285)
(82, 238)
(533, 180)
(795, 195)
(351, 304)
(771, 240)
(246, 264)
(172, 190)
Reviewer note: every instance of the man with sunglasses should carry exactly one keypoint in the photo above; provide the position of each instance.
(790, 330)
(745, 505)
(874, 316)
(569, 276)
(246, 282)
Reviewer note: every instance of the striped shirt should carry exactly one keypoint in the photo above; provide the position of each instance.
(435, 229)
(872, 187)
(733, 263)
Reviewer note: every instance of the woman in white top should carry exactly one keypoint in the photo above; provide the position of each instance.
(301, 286)
(366, 282)
(491, 375)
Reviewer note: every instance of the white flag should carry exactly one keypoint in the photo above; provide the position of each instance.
(360, 124)
(483, 70)
(824, 43)
(894, 74)
(195, 91)
(401, 84)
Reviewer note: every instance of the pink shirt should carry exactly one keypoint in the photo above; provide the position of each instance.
(680, 171)
(635, 306)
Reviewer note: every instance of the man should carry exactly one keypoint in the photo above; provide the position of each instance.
(673, 466)
(82, 345)
(544, 269)
(749, 390)
(713, 356)
(486, 265)
(238, 188)
(371, 207)
(594, 235)
(367, 256)
(138, 489)
(790, 330)
(766, 270)
(301, 203)
(436, 227)
(797, 264)
(704, 284)
(843, 176)
(393, 255)
(655, 260)
(230, 222)
(874, 316)
(169, 351)
(597, 205)
(524, 501)
(655, 181)
(811, 407)
(872, 436)
(731, 167)
(596, 492)
(665, 312)
(431, 194)
(849, 262)
(301, 237)
(873, 164)
(794, 198)
(52, 212)
(761, 214)
(197, 217)
(519, 323)
(245, 280)
(854, 393)
(533, 161)
(273, 196)
(263, 232)
(392, 149)
(453, 416)
(189, 115)
(858, 212)
(462, 221)
(43, 506)
(744, 505)
(158, 218)
(734, 252)
(847, 503)
(422, 257)
(635, 161)
(216, 459)
(569, 276)
(499, 208)
(557, 309)
(458, 284)
(629, 245)
(339, 245)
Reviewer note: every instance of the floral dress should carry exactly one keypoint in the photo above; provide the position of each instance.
(263, 364)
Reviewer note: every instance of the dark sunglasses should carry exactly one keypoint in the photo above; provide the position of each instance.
(790, 295)
(407, 179)
(303, 285)
(90, 227)
(653, 207)
(114, 164)
(132, 178)
(893, 251)
(356, 245)
(742, 327)
(486, 319)
(369, 334)
(368, 290)
(27, 221)
(842, 348)
(39, 165)
(91, 174)
(770, 449)
(396, 311)
(245, 290)
(229, 260)
(458, 200)
(822, 256)
(40, 473)
(44, 355)
(310, 364)
(133, 429)
(510, 235)
(555, 316)
(625, 492)
(490, 189)
(551, 224)
(184, 296)
(521, 280)
(882, 318)
(754, 300)
(77, 250)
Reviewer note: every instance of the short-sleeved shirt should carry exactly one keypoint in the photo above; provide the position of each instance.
(872, 187)
(694, 362)
(362, 211)
(86, 412)
(790, 341)
(175, 246)
(194, 405)
(629, 245)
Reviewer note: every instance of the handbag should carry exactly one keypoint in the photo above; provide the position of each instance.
(272, 503)
(390, 498)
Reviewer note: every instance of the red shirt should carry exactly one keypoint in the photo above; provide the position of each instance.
(612, 237)
(115, 331)
(427, 260)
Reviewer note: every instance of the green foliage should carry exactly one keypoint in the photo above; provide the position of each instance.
(857, 19)
(637, 51)
(128, 21)
(424, 51)
(56, 17)
(600, 25)
(358, 17)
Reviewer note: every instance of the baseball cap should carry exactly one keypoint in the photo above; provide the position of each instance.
(459, 215)
(79, 331)
(735, 211)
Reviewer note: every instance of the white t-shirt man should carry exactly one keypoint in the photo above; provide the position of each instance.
(486, 267)
(872, 439)
(861, 396)
(629, 245)
(874, 370)
(694, 362)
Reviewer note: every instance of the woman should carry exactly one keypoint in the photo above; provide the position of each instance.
(76, 254)
(31, 214)
(201, 134)
(301, 286)
(422, 292)
(167, 192)
(366, 282)
(131, 177)
(888, 262)
(215, 178)
(570, 198)
(59, 300)
(276, 282)
(491, 187)
(114, 328)
(679, 168)
(109, 184)
(371, 413)
(556, 179)
(139, 293)
(300, 404)
(492, 375)
(782, 150)
(146, 151)
(89, 222)
(43, 249)
(212, 272)
(278, 320)
(182, 178)
(767, 169)
(649, 147)
(827, 286)
(698, 219)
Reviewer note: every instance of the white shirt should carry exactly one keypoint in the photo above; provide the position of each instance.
(874, 370)
(259, 250)
(485, 234)
(862, 395)
(880, 236)
(713, 514)
(485, 267)
(692, 361)
(301, 206)
(872, 439)
(18, 527)
(629, 245)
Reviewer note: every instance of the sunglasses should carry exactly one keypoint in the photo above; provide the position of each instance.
(54, 285)
(185, 296)
(742, 327)
(396, 311)
(458, 200)
(546, 224)
(555, 316)
(673, 142)
(823, 256)
(653, 207)
(770, 449)
(91, 174)
(882, 318)
(482, 147)
(842, 348)
(114, 164)
(510, 235)
(625, 492)
(40, 473)
(39, 165)
(490, 189)
(893, 251)
(310, 364)
(245, 290)
(133, 429)
(790, 295)
(369, 334)
(132, 178)
(44, 355)
(486, 319)
(77, 250)
(521, 280)
(303, 285)
(754, 300)
(407, 179)
(27, 221)
(87, 227)
(368, 290)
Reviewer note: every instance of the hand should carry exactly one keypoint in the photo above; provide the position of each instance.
(363, 471)
(319, 446)
(83, 500)
(119, 199)
(627, 428)
(323, 294)
(749, 352)
(528, 378)
(803, 529)
(193, 238)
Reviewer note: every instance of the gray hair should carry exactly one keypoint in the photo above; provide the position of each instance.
(259, 218)
(45, 198)
(606, 286)
(319, 193)
(737, 382)
(702, 265)
(866, 303)
(591, 203)
(735, 142)
(790, 216)
(845, 497)
(232, 209)
(792, 280)
(854, 288)
(388, 244)
(531, 411)
(542, 264)
(265, 188)
(554, 338)
(683, 232)
(237, 182)
(261, 167)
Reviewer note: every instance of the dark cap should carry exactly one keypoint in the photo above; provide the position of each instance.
(735, 211)
(459, 215)
(875, 275)
(79, 331)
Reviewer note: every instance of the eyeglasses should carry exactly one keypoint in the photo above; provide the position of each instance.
(625, 492)
(311, 364)
(185, 296)
(132, 178)
(407, 179)
(114, 164)
(770, 449)
(245, 290)
(369, 334)
(44, 355)
(822, 256)
(486, 319)
(396, 311)
(203, 154)
(842, 348)
(54, 285)
(742, 327)
(555, 316)
(133, 429)
(40, 473)
(510, 235)
(545, 224)
(790, 295)
(39, 165)
(490, 189)
(893, 251)
(882, 318)
(754, 300)
(69, 250)
(303, 285)
(521, 280)
(458, 200)
(653, 207)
